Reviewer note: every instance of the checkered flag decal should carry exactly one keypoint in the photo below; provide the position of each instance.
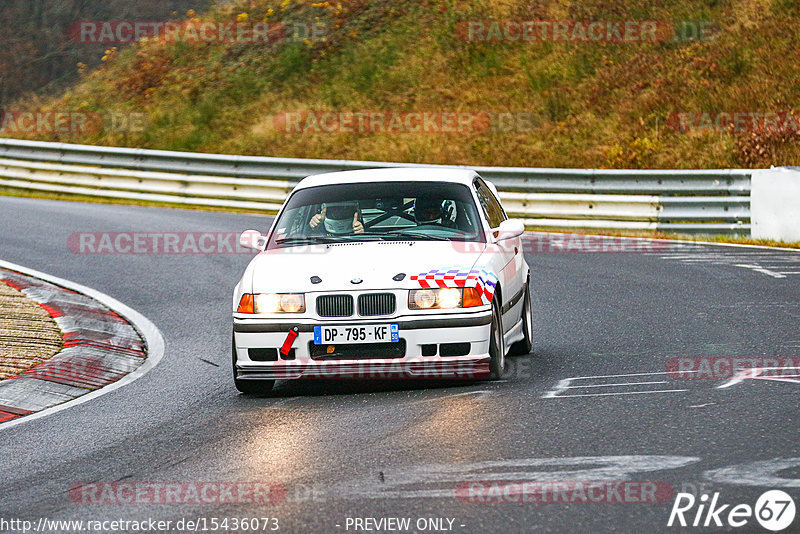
(481, 279)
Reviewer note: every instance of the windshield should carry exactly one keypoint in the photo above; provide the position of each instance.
(416, 211)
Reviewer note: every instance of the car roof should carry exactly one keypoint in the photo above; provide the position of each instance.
(395, 174)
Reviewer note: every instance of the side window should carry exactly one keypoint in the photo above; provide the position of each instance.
(491, 206)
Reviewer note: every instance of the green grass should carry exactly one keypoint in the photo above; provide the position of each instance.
(675, 237)
(595, 104)
(72, 197)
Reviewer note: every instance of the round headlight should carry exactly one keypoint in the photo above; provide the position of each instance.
(268, 303)
(449, 298)
(292, 302)
(424, 298)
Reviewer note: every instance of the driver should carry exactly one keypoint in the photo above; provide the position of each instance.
(428, 210)
(338, 218)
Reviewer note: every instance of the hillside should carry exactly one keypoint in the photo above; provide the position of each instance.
(692, 84)
(39, 53)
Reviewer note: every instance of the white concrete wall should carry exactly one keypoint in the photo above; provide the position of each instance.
(775, 204)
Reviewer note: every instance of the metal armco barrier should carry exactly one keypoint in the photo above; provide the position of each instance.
(682, 201)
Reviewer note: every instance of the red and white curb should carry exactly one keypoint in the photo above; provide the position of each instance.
(106, 346)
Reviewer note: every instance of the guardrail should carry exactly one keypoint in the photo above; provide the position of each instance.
(683, 201)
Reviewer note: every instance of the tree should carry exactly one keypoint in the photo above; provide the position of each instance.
(37, 55)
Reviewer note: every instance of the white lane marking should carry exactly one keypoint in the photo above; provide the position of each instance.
(702, 405)
(617, 384)
(569, 383)
(563, 386)
(443, 480)
(678, 243)
(626, 375)
(729, 255)
(621, 393)
(792, 379)
(736, 379)
(151, 334)
(756, 373)
(760, 261)
(615, 376)
(761, 473)
(762, 270)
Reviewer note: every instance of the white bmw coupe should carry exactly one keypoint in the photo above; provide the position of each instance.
(387, 273)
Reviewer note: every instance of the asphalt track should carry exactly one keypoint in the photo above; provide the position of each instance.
(399, 448)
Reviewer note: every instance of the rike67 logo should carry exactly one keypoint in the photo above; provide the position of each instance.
(774, 510)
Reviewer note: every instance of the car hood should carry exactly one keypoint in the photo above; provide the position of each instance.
(374, 263)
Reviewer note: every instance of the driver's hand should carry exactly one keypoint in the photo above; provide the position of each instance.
(318, 218)
(358, 228)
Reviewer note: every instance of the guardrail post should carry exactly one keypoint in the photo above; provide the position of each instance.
(775, 204)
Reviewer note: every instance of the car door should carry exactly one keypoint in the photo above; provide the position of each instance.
(505, 257)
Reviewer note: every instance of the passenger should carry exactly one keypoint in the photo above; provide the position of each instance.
(429, 211)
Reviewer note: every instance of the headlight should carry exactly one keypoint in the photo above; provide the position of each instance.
(421, 299)
(444, 298)
(272, 303)
(268, 303)
(293, 303)
(449, 298)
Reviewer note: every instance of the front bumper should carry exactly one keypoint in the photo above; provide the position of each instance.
(468, 331)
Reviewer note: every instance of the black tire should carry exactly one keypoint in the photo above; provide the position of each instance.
(497, 357)
(248, 387)
(523, 346)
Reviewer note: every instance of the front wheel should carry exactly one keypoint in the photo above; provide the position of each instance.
(524, 345)
(248, 387)
(497, 355)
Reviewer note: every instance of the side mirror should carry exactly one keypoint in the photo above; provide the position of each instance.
(509, 229)
(252, 239)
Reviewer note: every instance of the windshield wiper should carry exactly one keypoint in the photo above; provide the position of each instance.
(306, 240)
(391, 236)
(322, 239)
(415, 235)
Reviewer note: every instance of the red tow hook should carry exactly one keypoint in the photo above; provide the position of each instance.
(290, 337)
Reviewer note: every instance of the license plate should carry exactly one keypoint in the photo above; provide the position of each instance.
(368, 333)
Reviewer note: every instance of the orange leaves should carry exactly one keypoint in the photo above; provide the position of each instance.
(146, 72)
